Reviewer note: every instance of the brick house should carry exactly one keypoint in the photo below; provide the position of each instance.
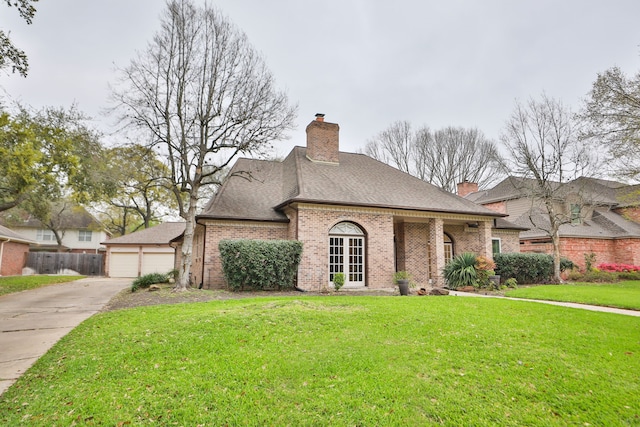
(14, 249)
(602, 217)
(352, 213)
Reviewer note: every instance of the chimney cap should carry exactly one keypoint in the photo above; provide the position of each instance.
(320, 117)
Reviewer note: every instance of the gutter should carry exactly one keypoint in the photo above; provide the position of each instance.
(490, 213)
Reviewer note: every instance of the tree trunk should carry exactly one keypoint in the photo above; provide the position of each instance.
(184, 273)
(555, 239)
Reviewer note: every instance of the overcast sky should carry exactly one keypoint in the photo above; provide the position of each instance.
(364, 63)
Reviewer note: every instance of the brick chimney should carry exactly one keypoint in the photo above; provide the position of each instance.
(322, 140)
(467, 187)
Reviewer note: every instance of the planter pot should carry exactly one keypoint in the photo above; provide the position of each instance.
(403, 285)
(495, 280)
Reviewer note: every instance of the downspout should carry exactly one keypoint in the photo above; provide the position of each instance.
(1, 253)
(204, 251)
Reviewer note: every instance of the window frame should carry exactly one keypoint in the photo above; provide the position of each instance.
(347, 255)
(499, 242)
(82, 235)
(45, 235)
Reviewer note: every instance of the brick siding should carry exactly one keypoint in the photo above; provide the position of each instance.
(14, 257)
(414, 247)
(509, 240)
(626, 251)
(417, 247)
(323, 141)
(213, 232)
(500, 207)
(632, 214)
(314, 223)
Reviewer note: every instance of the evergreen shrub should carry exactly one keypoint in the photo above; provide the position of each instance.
(528, 268)
(260, 264)
(148, 280)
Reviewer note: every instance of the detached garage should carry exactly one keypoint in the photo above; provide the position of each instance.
(143, 252)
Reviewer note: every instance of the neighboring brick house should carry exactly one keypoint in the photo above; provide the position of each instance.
(602, 217)
(352, 214)
(14, 249)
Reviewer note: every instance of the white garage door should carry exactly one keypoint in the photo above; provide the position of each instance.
(123, 264)
(157, 263)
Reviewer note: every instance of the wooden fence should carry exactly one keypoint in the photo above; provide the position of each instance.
(58, 262)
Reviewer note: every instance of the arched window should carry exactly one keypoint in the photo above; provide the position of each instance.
(346, 253)
(448, 248)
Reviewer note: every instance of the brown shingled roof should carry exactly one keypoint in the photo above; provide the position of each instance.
(7, 234)
(357, 180)
(161, 234)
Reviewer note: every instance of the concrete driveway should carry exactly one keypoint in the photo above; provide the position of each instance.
(32, 321)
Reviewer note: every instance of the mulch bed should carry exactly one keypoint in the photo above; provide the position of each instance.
(166, 295)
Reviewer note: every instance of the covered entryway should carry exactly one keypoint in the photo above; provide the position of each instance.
(347, 253)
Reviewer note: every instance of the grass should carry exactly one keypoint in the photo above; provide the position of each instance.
(11, 284)
(339, 360)
(621, 295)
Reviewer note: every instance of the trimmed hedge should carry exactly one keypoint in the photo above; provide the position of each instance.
(528, 268)
(260, 264)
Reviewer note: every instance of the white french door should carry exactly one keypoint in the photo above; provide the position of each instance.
(346, 255)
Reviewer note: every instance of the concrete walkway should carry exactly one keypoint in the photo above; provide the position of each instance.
(31, 322)
(562, 304)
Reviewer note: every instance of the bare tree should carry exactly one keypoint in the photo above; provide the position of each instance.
(611, 116)
(393, 146)
(205, 96)
(444, 158)
(545, 150)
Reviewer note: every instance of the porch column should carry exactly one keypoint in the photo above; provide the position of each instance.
(484, 234)
(436, 250)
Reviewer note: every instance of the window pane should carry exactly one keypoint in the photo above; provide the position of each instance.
(495, 246)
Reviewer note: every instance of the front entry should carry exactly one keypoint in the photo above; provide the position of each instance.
(346, 253)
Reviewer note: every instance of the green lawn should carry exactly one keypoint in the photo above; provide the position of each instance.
(11, 284)
(621, 295)
(339, 361)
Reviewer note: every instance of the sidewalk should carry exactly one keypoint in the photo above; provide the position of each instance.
(31, 322)
(562, 304)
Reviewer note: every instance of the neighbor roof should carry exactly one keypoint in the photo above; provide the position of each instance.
(258, 189)
(7, 234)
(72, 217)
(596, 191)
(602, 224)
(161, 234)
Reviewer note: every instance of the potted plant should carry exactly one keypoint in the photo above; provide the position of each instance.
(402, 278)
(338, 280)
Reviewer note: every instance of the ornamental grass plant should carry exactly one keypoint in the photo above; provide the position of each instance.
(461, 271)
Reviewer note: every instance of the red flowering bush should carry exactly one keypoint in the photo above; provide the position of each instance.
(618, 268)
